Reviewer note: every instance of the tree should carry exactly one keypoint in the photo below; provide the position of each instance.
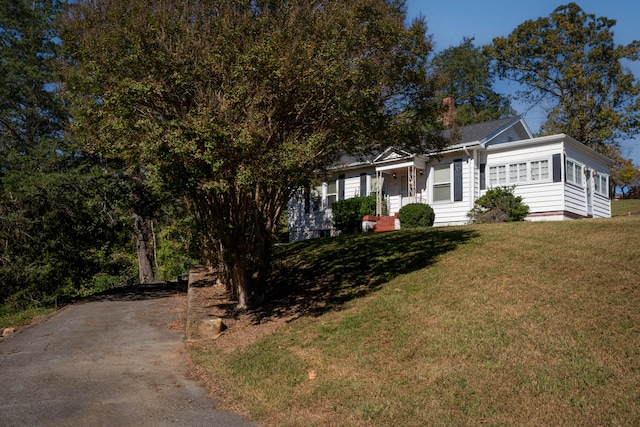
(570, 62)
(237, 104)
(624, 174)
(59, 227)
(465, 76)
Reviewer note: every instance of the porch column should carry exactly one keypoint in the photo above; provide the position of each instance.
(379, 182)
(411, 181)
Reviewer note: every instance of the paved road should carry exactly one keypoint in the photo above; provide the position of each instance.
(111, 361)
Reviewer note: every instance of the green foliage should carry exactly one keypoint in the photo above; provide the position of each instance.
(416, 215)
(570, 62)
(175, 253)
(499, 205)
(61, 223)
(237, 104)
(466, 77)
(625, 175)
(348, 213)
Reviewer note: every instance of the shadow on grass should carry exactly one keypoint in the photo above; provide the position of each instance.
(312, 277)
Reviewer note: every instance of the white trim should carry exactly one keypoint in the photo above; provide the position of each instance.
(549, 178)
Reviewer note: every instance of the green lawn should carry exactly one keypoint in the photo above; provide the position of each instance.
(625, 207)
(521, 324)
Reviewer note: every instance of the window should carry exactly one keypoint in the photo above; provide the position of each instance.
(600, 184)
(316, 195)
(441, 183)
(517, 172)
(539, 170)
(497, 175)
(574, 173)
(332, 193)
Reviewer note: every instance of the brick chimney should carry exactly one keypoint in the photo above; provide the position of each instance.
(449, 115)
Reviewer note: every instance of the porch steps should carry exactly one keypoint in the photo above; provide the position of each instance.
(379, 223)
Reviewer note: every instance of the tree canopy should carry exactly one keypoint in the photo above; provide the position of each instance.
(59, 223)
(234, 105)
(568, 62)
(465, 76)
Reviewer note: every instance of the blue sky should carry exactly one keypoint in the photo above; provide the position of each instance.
(449, 21)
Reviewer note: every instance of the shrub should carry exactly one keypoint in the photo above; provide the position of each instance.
(348, 213)
(499, 205)
(416, 215)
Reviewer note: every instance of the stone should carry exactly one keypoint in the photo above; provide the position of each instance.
(205, 328)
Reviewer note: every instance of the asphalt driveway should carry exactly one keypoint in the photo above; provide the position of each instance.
(109, 361)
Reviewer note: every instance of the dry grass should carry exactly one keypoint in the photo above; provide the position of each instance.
(625, 207)
(509, 324)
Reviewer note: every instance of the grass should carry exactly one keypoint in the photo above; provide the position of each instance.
(23, 317)
(625, 207)
(515, 324)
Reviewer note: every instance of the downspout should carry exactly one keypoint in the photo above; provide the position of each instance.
(475, 183)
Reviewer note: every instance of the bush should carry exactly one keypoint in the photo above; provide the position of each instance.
(416, 215)
(499, 205)
(348, 213)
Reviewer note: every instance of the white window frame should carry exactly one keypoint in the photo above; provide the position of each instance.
(539, 176)
(574, 173)
(442, 184)
(502, 174)
(601, 184)
(498, 175)
(328, 202)
(521, 173)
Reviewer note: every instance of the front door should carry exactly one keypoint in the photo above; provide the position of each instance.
(589, 185)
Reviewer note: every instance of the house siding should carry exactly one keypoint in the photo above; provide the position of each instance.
(551, 198)
(542, 197)
(575, 199)
(601, 205)
(454, 213)
(352, 185)
(508, 136)
(303, 226)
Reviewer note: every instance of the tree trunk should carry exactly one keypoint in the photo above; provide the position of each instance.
(141, 234)
(241, 285)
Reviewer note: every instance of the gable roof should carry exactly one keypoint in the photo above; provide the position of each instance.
(392, 153)
(486, 131)
(475, 134)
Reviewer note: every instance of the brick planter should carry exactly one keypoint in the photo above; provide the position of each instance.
(378, 223)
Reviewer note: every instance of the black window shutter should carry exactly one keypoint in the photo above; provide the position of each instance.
(363, 184)
(457, 180)
(483, 183)
(557, 168)
(341, 187)
(307, 200)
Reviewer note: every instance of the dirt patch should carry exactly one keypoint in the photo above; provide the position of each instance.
(243, 327)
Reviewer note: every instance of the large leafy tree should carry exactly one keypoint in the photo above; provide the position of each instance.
(465, 75)
(236, 104)
(568, 62)
(625, 176)
(58, 225)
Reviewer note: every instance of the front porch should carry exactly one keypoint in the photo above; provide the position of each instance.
(399, 186)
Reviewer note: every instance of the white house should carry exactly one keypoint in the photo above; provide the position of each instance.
(558, 177)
